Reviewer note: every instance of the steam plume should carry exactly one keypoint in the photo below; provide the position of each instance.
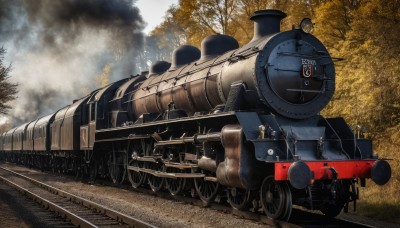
(58, 47)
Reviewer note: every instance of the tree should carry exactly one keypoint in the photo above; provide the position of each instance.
(8, 90)
(103, 79)
(333, 20)
(368, 80)
(191, 21)
(165, 37)
(215, 14)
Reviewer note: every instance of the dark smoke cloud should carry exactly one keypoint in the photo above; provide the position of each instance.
(57, 47)
(64, 21)
(37, 97)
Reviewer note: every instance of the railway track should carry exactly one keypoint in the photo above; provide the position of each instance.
(300, 218)
(77, 210)
(20, 211)
(222, 207)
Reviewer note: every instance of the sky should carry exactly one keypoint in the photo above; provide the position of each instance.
(153, 11)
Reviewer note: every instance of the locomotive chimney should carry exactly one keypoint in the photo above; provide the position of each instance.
(266, 22)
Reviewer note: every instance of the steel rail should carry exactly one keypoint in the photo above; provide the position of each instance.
(217, 207)
(357, 223)
(73, 218)
(122, 218)
(251, 215)
(244, 214)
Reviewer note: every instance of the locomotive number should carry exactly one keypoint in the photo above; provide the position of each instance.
(308, 62)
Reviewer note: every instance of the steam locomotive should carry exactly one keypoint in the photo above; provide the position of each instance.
(241, 123)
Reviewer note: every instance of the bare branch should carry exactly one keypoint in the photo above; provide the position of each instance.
(8, 90)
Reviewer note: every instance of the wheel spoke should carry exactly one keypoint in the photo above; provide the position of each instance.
(175, 186)
(156, 183)
(241, 200)
(207, 190)
(136, 178)
(276, 199)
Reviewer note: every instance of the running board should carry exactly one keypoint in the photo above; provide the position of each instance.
(166, 175)
(197, 139)
(181, 166)
(166, 163)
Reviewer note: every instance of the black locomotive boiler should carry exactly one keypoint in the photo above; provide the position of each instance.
(227, 121)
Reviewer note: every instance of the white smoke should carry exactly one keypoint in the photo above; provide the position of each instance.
(57, 48)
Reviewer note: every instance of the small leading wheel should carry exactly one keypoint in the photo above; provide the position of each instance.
(206, 189)
(174, 186)
(342, 188)
(276, 199)
(156, 183)
(240, 198)
(136, 178)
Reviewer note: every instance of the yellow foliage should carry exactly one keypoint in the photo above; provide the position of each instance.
(103, 79)
(383, 202)
(367, 85)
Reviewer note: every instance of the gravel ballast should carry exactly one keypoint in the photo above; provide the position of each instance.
(156, 210)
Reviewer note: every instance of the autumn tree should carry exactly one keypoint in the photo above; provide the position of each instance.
(8, 90)
(171, 28)
(368, 80)
(333, 19)
(167, 36)
(376, 33)
(215, 14)
(191, 21)
(103, 79)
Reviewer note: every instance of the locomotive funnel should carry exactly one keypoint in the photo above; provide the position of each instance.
(266, 22)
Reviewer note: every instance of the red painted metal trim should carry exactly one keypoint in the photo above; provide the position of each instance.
(321, 169)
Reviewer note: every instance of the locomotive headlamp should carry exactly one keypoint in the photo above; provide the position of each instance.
(306, 25)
